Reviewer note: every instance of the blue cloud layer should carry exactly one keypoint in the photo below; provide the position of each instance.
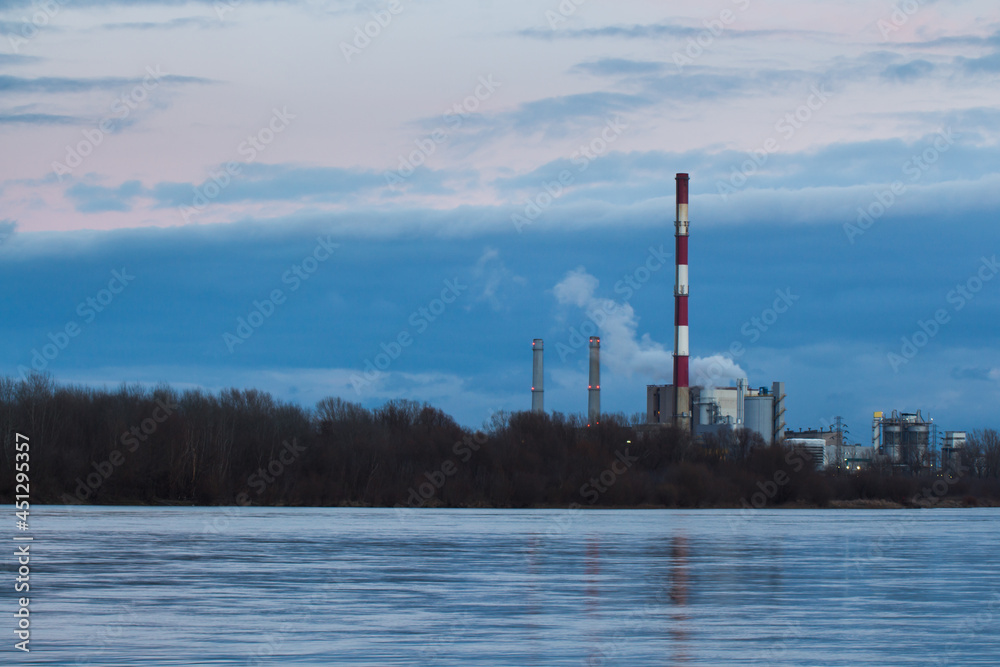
(192, 284)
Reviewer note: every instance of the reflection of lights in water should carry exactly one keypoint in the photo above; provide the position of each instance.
(679, 597)
(533, 596)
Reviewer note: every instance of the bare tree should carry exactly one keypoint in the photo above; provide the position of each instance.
(983, 447)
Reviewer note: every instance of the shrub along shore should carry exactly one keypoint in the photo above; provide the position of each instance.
(143, 446)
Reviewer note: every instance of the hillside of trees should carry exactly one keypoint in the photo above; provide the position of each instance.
(136, 445)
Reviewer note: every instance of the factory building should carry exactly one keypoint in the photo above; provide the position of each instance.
(715, 409)
(815, 447)
(698, 410)
(902, 439)
(831, 437)
(951, 450)
(705, 410)
(829, 453)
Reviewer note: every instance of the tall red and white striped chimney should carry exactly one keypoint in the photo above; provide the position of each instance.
(682, 393)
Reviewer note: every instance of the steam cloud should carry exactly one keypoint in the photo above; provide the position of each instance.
(621, 350)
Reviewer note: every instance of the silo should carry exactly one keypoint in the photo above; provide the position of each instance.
(759, 415)
(916, 442)
(892, 439)
(706, 406)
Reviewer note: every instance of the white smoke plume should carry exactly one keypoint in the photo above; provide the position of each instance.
(621, 350)
(715, 371)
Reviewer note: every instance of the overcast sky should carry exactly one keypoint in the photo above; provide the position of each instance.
(508, 167)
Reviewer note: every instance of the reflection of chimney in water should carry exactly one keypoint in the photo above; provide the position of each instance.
(679, 597)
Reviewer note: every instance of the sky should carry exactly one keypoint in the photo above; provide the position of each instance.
(391, 199)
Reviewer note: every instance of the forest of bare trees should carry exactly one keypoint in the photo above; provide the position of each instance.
(136, 445)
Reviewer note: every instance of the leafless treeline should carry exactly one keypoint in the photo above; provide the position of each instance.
(140, 445)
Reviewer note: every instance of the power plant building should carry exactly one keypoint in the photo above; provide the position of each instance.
(704, 410)
(716, 409)
(698, 410)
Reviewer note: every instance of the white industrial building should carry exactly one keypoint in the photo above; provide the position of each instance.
(714, 409)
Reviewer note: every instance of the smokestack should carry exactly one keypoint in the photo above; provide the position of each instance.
(682, 393)
(537, 388)
(594, 393)
(741, 395)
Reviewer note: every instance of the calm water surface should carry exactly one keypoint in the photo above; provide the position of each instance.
(278, 586)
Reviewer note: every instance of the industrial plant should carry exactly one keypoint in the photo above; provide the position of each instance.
(900, 441)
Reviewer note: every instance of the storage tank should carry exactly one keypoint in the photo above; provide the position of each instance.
(891, 439)
(706, 406)
(759, 415)
(916, 442)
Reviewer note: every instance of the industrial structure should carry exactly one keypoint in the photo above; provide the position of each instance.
(537, 377)
(830, 447)
(716, 409)
(704, 410)
(682, 394)
(832, 453)
(697, 410)
(594, 388)
(903, 440)
(951, 450)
